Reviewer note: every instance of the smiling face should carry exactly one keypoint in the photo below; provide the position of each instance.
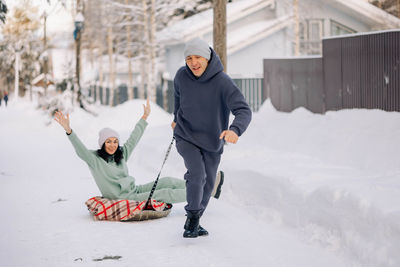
(111, 145)
(197, 64)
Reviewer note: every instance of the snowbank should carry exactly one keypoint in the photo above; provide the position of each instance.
(297, 185)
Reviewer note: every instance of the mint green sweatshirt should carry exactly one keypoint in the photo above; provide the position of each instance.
(114, 180)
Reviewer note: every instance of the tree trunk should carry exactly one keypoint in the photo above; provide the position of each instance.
(144, 68)
(100, 41)
(151, 90)
(78, 66)
(78, 55)
(128, 39)
(101, 78)
(16, 84)
(296, 28)
(398, 8)
(46, 57)
(220, 31)
(111, 76)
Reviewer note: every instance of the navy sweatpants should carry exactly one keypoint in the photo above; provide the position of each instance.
(201, 168)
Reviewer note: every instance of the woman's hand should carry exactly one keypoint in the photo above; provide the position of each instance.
(63, 121)
(146, 109)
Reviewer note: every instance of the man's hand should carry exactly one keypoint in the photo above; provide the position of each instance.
(230, 136)
(173, 124)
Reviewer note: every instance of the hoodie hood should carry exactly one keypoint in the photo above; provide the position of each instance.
(213, 68)
(203, 105)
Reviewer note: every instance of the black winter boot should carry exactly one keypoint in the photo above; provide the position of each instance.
(202, 231)
(191, 226)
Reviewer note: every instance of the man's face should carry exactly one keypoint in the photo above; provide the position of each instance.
(197, 64)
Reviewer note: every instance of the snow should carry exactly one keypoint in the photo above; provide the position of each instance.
(63, 60)
(301, 190)
(360, 34)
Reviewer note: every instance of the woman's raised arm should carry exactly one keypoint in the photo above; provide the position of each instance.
(63, 121)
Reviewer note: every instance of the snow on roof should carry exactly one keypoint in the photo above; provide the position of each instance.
(41, 77)
(360, 34)
(202, 23)
(255, 31)
(369, 13)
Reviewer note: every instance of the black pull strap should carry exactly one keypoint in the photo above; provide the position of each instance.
(156, 181)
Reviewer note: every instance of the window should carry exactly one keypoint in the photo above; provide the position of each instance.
(311, 32)
(340, 29)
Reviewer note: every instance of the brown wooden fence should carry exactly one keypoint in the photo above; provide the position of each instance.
(356, 71)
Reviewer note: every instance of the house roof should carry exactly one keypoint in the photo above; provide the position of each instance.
(202, 23)
(367, 13)
(41, 80)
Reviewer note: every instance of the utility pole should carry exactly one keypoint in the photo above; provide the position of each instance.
(219, 32)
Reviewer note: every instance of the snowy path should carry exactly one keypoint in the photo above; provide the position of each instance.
(278, 207)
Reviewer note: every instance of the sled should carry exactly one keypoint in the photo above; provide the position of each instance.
(103, 209)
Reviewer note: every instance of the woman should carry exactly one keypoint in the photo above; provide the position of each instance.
(109, 169)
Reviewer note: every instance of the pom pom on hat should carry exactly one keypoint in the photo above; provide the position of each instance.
(197, 47)
(106, 133)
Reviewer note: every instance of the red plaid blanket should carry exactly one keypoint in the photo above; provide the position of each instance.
(126, 210)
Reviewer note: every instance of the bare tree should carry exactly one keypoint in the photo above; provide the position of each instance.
(390, 6)
(3, 11)
(24, 46)
(130, 28)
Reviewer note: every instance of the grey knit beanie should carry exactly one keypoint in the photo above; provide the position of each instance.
(197, 47)
(106, 133)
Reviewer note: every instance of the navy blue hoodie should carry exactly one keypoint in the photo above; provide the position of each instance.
(203, 105)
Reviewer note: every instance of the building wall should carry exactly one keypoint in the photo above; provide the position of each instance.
(248, 62)
(174, 59)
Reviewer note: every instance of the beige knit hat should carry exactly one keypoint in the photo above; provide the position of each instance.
(107, 133)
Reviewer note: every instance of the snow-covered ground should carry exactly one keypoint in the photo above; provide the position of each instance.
(301, 190)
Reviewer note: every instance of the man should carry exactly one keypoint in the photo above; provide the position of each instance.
(204, 98)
